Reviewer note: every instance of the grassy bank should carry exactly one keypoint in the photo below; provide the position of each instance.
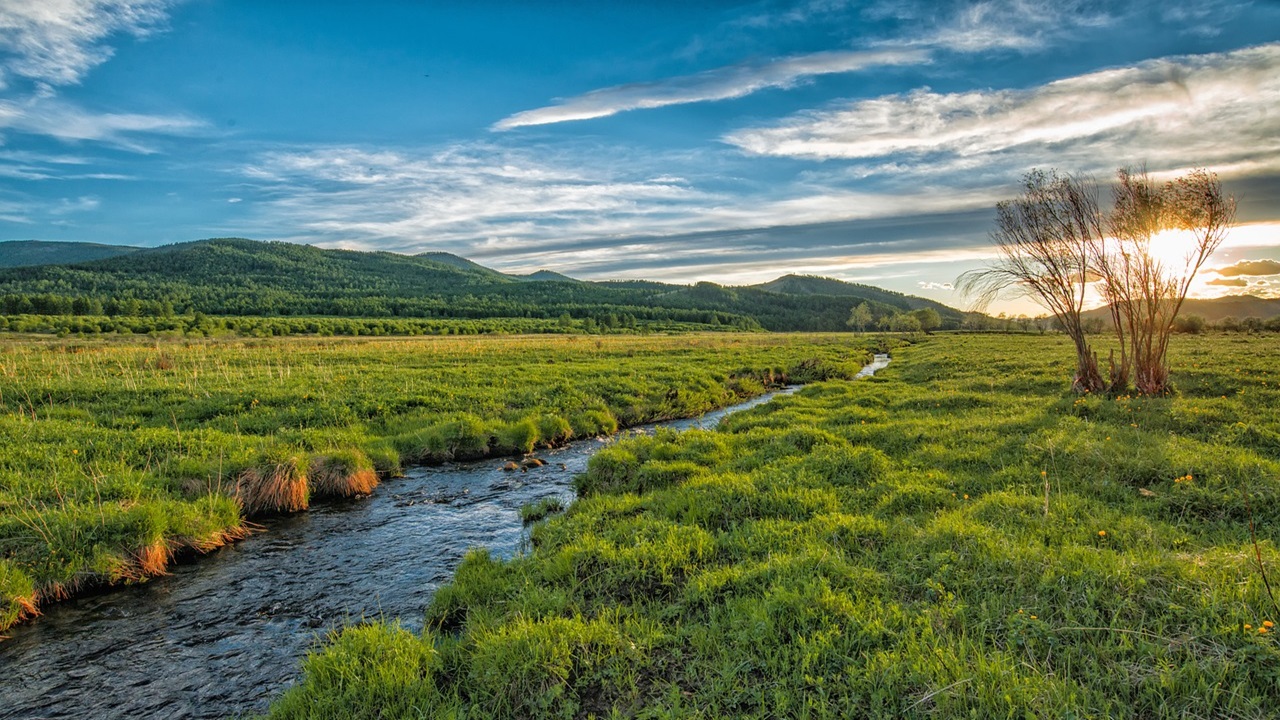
(115, 456)
(955, 537)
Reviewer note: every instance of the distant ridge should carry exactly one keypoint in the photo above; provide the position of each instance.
(23, 253)
(1216, 309)
(452, 260)
(815, 285)
(237, 276)
(1236, 306)
(546, 276)
(465, 264)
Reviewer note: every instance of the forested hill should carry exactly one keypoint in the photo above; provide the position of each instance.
(234, 276)
(812, 285)
(20, 253)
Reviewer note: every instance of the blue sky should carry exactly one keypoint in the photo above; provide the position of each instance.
(677, 141)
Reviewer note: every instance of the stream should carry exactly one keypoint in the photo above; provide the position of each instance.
(224, 635)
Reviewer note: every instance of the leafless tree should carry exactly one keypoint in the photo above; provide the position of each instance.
(1143, 282)
(1044, 239)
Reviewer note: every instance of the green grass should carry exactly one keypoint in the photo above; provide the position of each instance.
(535, 511)
(881, 548)
(115, 455)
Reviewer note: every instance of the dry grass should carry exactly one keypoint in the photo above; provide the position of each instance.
(342, 474)
(279, 487)
(153, 559)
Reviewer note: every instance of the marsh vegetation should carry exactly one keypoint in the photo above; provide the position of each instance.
(117, 456)
(957, 536)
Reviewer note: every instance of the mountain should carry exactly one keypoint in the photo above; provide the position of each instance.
(235, 276)
(813, 285)
(21, 253)
(1236, 306)
(452, 260)
(545, 276)
(1215, 309)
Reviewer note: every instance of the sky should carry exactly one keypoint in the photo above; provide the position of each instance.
(668, 140)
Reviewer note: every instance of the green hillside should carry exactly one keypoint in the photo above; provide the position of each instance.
(21, 253)
(545, 276)
(233, 276)
(813, 285)
(456, 261)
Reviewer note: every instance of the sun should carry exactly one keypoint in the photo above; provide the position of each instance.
(1175, 249)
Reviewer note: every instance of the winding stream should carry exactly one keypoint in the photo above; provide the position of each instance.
(223, 635)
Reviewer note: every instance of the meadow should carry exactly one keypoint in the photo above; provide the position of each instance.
(958, 536)
(118, 454)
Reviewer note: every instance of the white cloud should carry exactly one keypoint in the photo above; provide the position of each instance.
(69, 122)
(58, 41)
(918, 30)
(69, 206)
(1022, 25)
(461, 194)
(567, 209)
(1205, 109)
(722, 83)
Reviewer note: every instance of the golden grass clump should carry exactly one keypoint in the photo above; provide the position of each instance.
(280, 486)
(153, 559)
(21, 608)
(345, 473)
(217, 539)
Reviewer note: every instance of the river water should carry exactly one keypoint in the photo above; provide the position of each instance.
(223, 635)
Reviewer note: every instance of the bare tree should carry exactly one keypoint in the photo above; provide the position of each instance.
(1044, 239)
(1144, 280)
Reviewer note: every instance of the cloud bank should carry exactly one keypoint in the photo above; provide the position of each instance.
(1205, 109)
(1250, 267)
(520, 211)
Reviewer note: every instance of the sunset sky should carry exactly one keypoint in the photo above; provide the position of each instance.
(676, 141)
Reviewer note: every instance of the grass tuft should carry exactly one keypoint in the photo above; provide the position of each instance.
(342, 473)
(533, 512)
(280, 485)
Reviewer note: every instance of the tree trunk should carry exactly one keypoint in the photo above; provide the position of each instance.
(1088, 378)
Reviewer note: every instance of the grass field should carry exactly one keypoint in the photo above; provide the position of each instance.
(956, 537)
(115, 455)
